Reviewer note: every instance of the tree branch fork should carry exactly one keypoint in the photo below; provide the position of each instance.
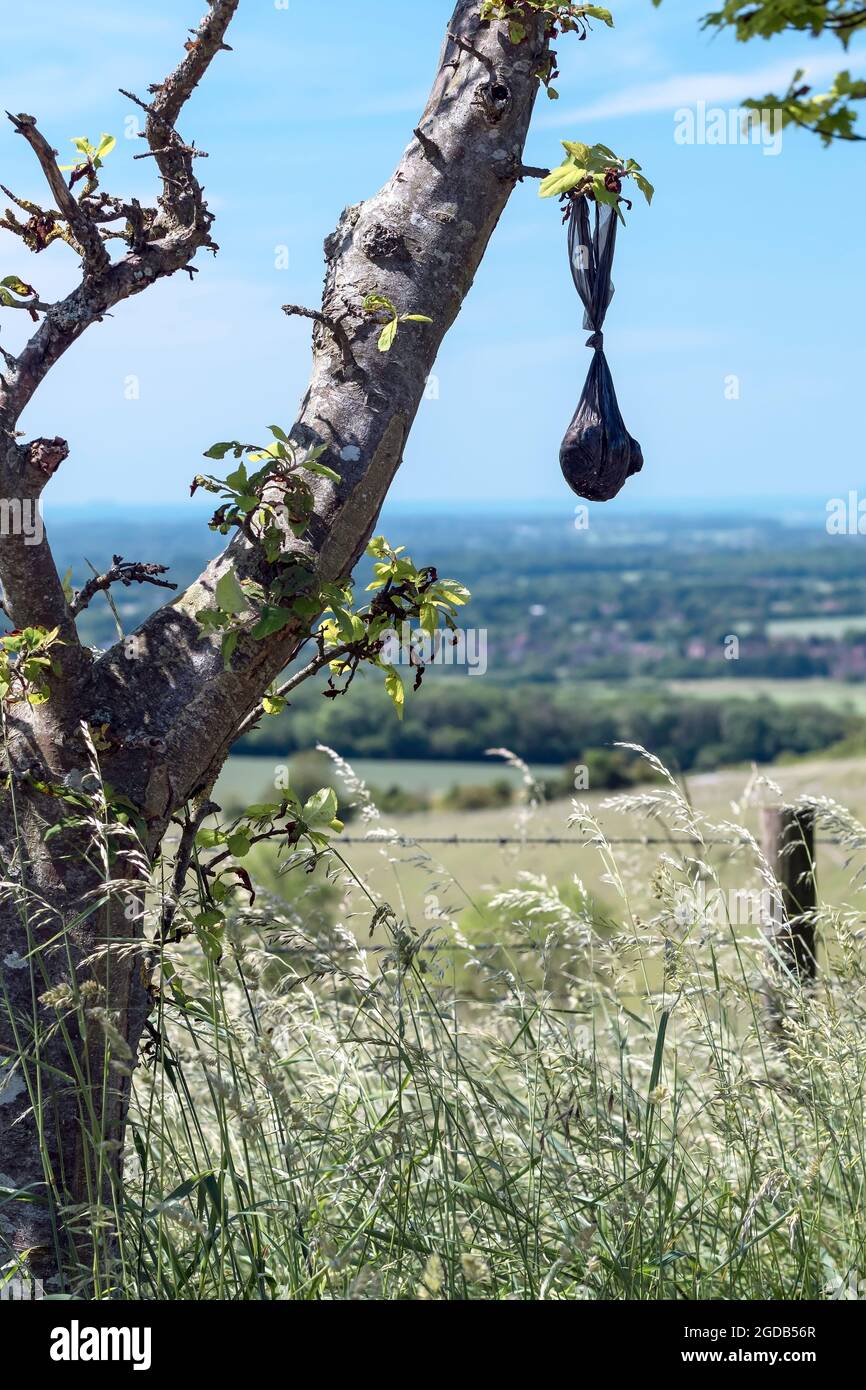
(418, 242)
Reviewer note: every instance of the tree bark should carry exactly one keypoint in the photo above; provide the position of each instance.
(169, 708)
(73, 1001)
(419, 241)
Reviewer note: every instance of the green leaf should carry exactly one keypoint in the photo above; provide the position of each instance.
(378, 548)
(659, 1050)
(229, 594)
(396, 690)
(645, 187)
(306, 608)
(273, 704)
(561, 180)
(321, 808)
(209, 839)
(263, 810)
(599, 12)
(272, 620)
(209, 930)
(452, 592)
(387, 336)
(229, 646)
(415, 318)
(279, 434)
(376, 302)
(312, 466)
(238, 844)
(349, 626)
(211, 619)
(19, 287)
(238, 480)
(210, 918)
(219, 451)
(604, 194)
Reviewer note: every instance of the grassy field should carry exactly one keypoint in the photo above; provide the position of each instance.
(837, 694)
(246, 779)
(425, 873)
(816, 627)
(596, 1111)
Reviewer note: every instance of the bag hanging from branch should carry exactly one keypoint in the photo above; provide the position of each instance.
(598, 454)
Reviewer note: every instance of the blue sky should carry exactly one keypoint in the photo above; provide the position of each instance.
(747, 264)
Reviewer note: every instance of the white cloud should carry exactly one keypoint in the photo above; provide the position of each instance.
(686, 89)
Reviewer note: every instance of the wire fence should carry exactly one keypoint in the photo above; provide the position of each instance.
(382, 838)
(477, 949)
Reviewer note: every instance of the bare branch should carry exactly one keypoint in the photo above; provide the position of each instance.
(162, 240)
(174, 149)
(41, 227)
(181, 196)
(430, 148)
(208, 40)
(34, 306)
(125, 572)
(333, 326)
(88, 238)
(182, 861)
(529, 171)
(311, 669)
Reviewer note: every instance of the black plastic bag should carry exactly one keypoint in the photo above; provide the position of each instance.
(598, 454)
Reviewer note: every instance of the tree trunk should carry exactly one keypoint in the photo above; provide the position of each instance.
(167, 706)
(73, 1001)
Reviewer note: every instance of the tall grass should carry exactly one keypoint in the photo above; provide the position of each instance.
(329, 1114)
(591, 1104)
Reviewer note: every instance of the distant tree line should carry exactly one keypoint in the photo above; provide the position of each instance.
(458, 720)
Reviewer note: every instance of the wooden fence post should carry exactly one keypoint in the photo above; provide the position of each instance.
(788, 845)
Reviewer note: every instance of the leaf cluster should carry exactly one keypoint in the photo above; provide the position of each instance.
(561, 19)
(379, 305)
(830, 114)
(594, 171)
(26, 661)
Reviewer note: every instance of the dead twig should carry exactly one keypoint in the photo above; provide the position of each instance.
(336, 330)
(317, 664)
(124, 572)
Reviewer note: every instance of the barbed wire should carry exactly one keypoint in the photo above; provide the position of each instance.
(643, 840)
